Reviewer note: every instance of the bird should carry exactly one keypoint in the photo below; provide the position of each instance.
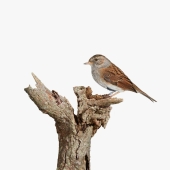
(111, 77)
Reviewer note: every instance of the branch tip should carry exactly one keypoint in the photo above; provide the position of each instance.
(37, 80)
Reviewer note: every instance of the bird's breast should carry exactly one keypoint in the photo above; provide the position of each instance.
(101, 81)
(97, 77)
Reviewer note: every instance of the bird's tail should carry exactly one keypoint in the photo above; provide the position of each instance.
(143, 93)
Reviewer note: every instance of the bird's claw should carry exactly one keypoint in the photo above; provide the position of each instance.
(113, 93)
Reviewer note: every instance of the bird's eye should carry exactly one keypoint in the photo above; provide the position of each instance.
(96, 59)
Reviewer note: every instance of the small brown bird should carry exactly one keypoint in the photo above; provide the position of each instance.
(112, 77)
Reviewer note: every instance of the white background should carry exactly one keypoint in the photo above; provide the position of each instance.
(53, 39)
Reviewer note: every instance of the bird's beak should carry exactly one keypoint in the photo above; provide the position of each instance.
(88, 63)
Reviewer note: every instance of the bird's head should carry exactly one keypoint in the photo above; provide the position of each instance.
(98, 61)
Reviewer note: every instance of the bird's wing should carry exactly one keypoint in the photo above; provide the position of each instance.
(116, 76)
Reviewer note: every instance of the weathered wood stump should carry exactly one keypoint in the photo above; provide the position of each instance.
(74, 131)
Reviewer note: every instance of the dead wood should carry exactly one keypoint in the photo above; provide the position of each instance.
(74, 130)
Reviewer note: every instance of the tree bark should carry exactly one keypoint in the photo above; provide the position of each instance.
(74, 131)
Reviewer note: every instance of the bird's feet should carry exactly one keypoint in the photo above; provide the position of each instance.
(113, 93)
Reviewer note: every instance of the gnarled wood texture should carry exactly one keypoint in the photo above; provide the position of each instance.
(74, 130)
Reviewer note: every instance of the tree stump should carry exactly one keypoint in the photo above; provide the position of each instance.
(74, 130)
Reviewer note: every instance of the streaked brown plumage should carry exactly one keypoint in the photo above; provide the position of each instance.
(112, 77)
